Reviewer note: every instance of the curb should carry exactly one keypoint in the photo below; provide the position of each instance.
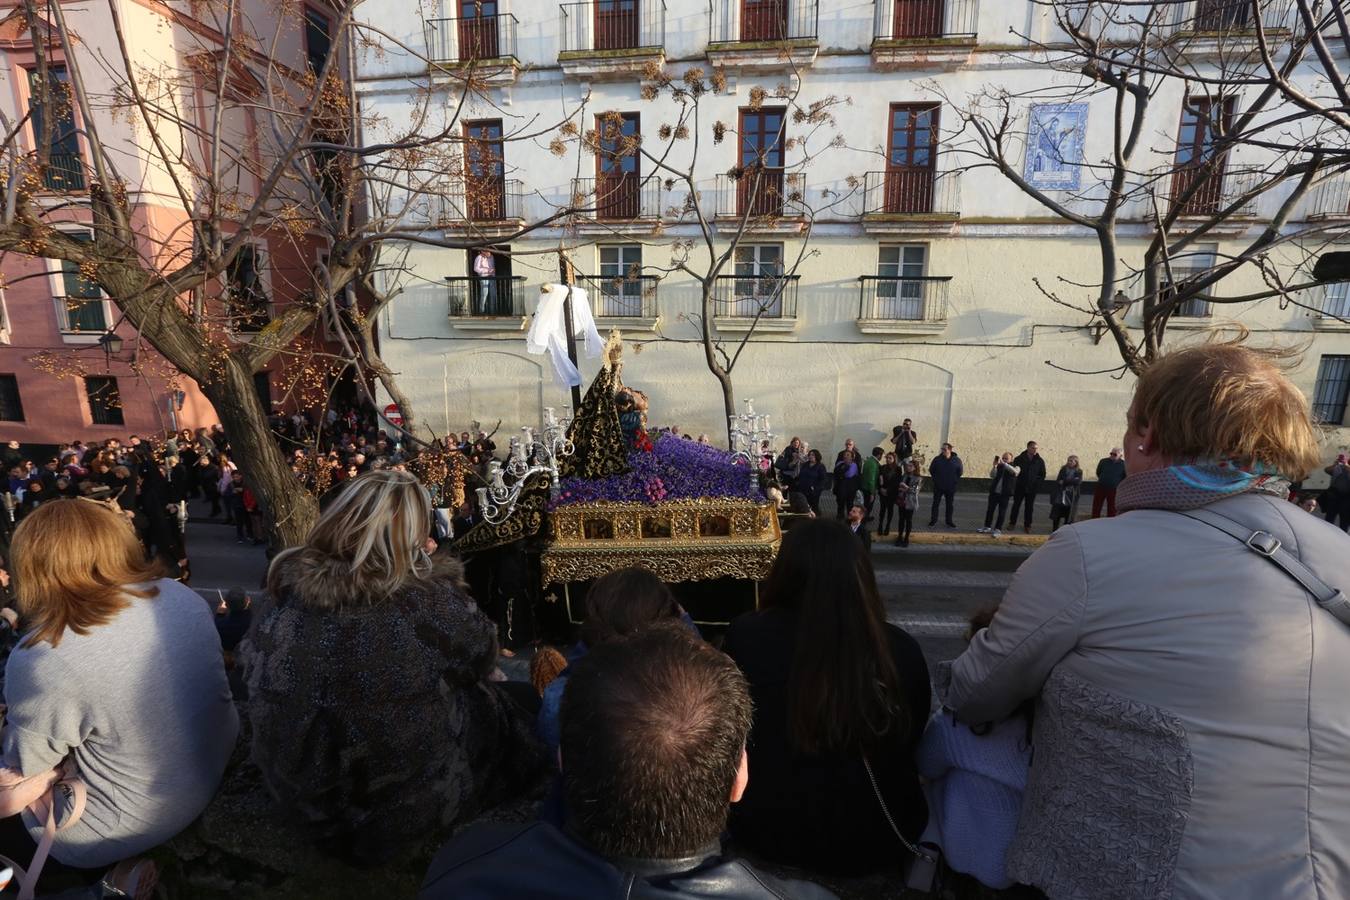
(966, 539)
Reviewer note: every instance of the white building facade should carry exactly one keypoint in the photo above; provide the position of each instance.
(916, 295)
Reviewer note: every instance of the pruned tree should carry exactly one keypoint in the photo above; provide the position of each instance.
(761, 188)
(1229, 71)
(242, 144)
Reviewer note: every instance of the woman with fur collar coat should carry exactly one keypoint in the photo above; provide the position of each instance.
(376, 720)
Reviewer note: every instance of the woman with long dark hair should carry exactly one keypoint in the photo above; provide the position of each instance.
(837, 691)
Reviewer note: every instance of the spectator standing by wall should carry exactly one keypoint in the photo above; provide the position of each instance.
(1064, 500)
(811, 479)
(847, 478)
(1110, 473)
(946, 471)
(1030, 475)
(485, 267)
(871, 479)
(1002, 479)
(907, 502)
(903, 437)
(888, 491)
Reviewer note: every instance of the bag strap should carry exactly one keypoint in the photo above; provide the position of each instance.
(45, 809)
(917, 851)
(1263, 543)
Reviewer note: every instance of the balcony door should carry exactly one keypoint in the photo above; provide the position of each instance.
(1199, 161)
(759, 191)
(759, 281)
(478, 29)
(911, 160)
(65, 172)
(900, 272)
(484, 171)
(1222, 15)
(918, 19)
(616, 24)
(617, 172)
(764, 20)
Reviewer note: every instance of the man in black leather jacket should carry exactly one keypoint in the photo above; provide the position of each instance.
(653, 751)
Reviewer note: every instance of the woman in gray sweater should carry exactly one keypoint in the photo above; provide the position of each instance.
(120, 672)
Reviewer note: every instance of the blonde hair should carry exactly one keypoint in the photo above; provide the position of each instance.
(1222, 400)
(378, 524)
(74, 564)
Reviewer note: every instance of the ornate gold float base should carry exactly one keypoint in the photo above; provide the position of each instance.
(679, 540)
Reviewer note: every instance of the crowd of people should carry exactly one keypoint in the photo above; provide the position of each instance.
(1166, 680)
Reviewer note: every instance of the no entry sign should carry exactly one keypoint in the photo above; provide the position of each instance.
(393, 415)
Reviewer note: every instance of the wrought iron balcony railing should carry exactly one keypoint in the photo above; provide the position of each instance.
(898, 299)
(762, 194)
(911, 20)
(605, 26)
(917, 192)
(619, 198)
(1209, 189)
(483, 200)
(1330, 199)
(471, 38)
(763, 21)
(1223, 17)
(621, 296)
(475, 297)
(64, 173)
(765, 296)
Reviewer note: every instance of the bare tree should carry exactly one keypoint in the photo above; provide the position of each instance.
(246, 145)
(1243, 142)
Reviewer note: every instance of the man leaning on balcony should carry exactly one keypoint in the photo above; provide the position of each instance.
(486, 269)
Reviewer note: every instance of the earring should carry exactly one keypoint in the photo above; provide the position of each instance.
(1141, 448)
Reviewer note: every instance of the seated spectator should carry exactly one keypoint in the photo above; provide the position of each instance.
(618, 604)
(837, 690)
(1191, 735)
(653, 751)
(233, 617)
(119, 672)
(376, 722)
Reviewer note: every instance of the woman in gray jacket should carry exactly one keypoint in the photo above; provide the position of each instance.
(1192, 738)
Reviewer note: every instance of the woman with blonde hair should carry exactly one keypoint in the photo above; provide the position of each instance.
(377, 722)
(1189, 658)
(119, 674)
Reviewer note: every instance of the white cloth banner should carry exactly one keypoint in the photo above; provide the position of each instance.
(548, 332)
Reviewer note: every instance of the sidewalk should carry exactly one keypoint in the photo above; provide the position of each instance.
(968, 514)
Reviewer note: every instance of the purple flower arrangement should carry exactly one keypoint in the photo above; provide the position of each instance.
(675, 469)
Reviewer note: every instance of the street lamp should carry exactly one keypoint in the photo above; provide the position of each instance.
(111, 344)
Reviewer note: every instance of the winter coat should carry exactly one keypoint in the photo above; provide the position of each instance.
(374, 722)
(946, 472)
(1065, 496)
(1184, 685)
(1030, 472)
(1110, 473)
(909, 499)
(1002, 477)
(811, 480)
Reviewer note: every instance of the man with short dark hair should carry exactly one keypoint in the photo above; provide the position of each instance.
(1030, 467)
(945, 472)
(857, 524)
(653, 731)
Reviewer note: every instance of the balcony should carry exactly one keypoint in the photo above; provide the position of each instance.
(612, 38)
(485, 45)
(770, 200)
(1207, 191)
(911, 201)
(742, 303)
(1329, 200)
(1204, 28)
(763, 34)
(1333, 312)
(486, 206)
(911, 34)
(893, 305)
(621, 204)
(627, 300)
(487, 304)
(64, 173)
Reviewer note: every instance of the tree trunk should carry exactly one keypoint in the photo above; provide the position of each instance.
(728, 403)
(287, 507)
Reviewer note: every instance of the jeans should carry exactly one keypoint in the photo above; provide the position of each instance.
(938, 496)
(1104, 495)
(487, 296)
(999, 502)
(904, 525)
(1019, 495)
(887, 513)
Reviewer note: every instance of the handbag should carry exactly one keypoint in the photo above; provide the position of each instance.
(38, 794)
(925, 864)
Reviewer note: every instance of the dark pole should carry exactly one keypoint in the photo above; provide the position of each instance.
(569, 276)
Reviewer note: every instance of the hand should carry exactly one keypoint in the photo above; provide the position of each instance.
(430, 546)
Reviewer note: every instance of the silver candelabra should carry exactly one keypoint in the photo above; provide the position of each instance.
(750, 431)
(529, 455)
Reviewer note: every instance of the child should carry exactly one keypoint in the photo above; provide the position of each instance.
(975, 777)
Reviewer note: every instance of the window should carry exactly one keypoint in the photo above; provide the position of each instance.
(318, 41)
(1336, 305)
(262, 386)
(105, 400)
(1185, 267)
(620, 287)
(11, 407)
(759, 282)
(911, 158)
(616, 165)
(900, 289)
(79, 306)
(246, 296)
(1332, 391)
(1198, 159)
(759, 191)
(64, 171)
(917, 18)
(484, 170)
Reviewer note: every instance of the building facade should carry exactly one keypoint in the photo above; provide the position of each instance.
(902, 281)
(70, 365)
